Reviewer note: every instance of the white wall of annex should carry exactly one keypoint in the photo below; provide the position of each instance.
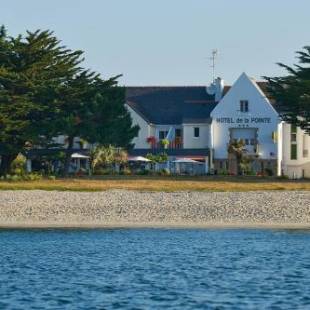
(202, 142)
(144, 132)
(280, 149)
(303, 144)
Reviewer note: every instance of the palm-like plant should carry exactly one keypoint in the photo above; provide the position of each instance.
(120, 156)
(101, 155)
(106, 156)
(237, 148)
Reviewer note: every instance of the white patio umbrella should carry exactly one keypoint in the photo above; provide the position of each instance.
(79, 156)
(139, 159)
(187, 161)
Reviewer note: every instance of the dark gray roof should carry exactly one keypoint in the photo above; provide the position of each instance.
(171, 105)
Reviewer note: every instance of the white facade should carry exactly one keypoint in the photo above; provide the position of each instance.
(295, 158)
(258, 123)
(146, 130)
(202, 141)
(243, 113)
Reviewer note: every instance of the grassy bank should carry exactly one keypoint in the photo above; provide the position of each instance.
(159, 184)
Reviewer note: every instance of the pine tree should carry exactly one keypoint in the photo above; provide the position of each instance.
(292, 92)
(94, 110)
(32, 71)
(44, 92)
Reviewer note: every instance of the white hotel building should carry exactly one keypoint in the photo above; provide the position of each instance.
(200, 123)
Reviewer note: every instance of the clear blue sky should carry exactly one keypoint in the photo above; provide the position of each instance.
(169, 42)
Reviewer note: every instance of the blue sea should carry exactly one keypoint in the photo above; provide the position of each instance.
(154, 269)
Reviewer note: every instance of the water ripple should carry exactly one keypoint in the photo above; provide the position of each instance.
(154, 269)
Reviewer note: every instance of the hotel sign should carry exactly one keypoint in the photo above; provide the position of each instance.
(243, 121)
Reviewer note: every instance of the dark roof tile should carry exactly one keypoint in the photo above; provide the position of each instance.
(171, 105)
(177, 104)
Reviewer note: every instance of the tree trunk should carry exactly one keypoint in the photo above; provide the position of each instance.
(239, 159)
(68, 156)
(6, 161)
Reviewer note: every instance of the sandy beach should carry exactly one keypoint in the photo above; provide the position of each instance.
(121, 208)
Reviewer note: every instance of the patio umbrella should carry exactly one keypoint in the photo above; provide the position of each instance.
(80, 156)
(187, 161)
(138, 158)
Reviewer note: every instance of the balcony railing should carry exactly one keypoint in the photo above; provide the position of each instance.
(177, 143)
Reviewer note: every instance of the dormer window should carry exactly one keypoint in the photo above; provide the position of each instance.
(244, 106)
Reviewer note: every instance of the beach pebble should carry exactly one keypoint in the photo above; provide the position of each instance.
(125, 208)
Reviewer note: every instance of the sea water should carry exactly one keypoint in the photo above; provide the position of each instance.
(154, 269)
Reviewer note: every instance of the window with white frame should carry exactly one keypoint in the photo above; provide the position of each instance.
(305, 146)
(293, 142)
(162, 134)
(244, 106)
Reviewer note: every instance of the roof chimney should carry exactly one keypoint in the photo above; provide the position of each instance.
(216, 88)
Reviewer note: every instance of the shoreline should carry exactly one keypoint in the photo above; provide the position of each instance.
(123, 209)
(172, 226)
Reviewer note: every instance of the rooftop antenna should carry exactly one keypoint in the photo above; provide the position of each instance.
(213, 58)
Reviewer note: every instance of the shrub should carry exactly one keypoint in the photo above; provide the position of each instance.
(162, 158)
(142, 172)
(103, 171)
(250, 172)
(33, 177)
(18, 166)
(164, 172)
(159, 158)
(25, 177)
(269, 172)
(16, 178)
(260, 174)
(125, 171)
(8, 177)
(223, 172)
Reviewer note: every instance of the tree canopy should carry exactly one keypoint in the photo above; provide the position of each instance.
(292, 92)
(32, 69)
(45, 92)
(93, 109)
